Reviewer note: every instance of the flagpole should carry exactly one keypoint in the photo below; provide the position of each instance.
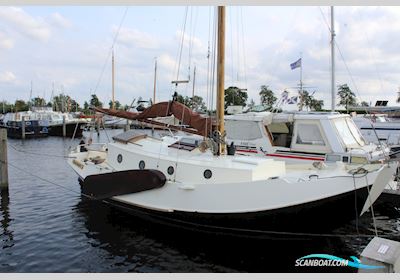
(301, 81)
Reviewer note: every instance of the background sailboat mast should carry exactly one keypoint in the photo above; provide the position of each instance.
(194, 80)
(155, 81)
(220, 74)
(332, 60)
(113, 97)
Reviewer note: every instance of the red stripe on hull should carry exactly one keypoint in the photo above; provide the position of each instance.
(295, 157)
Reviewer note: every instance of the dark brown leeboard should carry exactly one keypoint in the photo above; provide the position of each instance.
(102, 186)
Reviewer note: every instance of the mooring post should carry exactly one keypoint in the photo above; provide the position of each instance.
(23, 127)
(64, 127)
(127, 126)
(3, 159)
(98, 126)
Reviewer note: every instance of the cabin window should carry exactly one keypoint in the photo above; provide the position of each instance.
(281, 134)
(349, 133)
(309, 134)
(242, 130)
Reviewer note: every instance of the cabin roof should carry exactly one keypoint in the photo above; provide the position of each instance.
(269, 117)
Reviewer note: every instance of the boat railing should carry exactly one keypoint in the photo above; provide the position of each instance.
(98, 147)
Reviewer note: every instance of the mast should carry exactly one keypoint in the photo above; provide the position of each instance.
(301, 81)
(30, 98)
(220, 74)
(113, 100)
(332, 60)
(155, 81)
(194, 80)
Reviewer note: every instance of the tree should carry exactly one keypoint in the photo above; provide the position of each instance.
(94, 101)
(21, 105)
(347, 97)
(197, 104)
(38, 102)
(5, 107)
(365, 103)
(235, 96)
(308, 101)
(65, 103)
(183, 99)
(316, 105)
(116, 103)
(86, 108)
(267, 96)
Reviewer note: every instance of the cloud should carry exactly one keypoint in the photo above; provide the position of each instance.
(7, 77)
(60, 21)
(33, 27)
(5, 41)
(131, 37)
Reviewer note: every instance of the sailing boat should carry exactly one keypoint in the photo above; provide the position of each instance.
(196, 184)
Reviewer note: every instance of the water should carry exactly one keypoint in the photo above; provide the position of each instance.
(50, 228)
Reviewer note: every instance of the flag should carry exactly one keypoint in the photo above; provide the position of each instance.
(292, 100)
(284, 96)
(296, 64)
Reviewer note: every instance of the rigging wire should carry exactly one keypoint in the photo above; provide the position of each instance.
(110, 51)
(237, 44)
(213, 61)
(182, 41)
(231, 46)
(243, 49)
(371, 55)
(208, 70)
(352, 79)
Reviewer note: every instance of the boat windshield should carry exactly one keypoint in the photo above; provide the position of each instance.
(349, 133)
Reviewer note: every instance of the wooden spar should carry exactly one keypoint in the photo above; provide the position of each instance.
(23, 127)
(113, 97)
(155, 81)
(64, 126)
(220, 74)
(3, 159)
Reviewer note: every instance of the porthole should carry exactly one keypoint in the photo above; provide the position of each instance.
(170, 170)
(142, 165)
(119, 158)
(207, 173)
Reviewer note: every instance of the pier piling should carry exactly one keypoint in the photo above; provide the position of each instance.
(3, 159)
(23, 127)
(127, 126)
(64, 128)
(98, 125)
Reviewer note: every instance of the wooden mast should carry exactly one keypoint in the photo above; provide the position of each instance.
(220, 75)
(155, 81)
(113, 97)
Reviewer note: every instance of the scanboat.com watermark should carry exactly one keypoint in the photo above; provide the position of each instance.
(330, 260)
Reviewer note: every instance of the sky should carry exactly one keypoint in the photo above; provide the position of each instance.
(70, 47)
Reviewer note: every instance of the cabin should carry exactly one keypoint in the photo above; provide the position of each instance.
(298, 136)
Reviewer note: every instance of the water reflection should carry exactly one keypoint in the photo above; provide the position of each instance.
(7, 235)
(143, 246)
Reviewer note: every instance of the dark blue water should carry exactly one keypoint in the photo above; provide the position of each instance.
(50, 228)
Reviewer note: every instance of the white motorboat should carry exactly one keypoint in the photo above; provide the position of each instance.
(380, 129)
(302, 137)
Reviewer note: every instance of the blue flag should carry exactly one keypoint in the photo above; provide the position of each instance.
(292, 100)
(296, 64)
